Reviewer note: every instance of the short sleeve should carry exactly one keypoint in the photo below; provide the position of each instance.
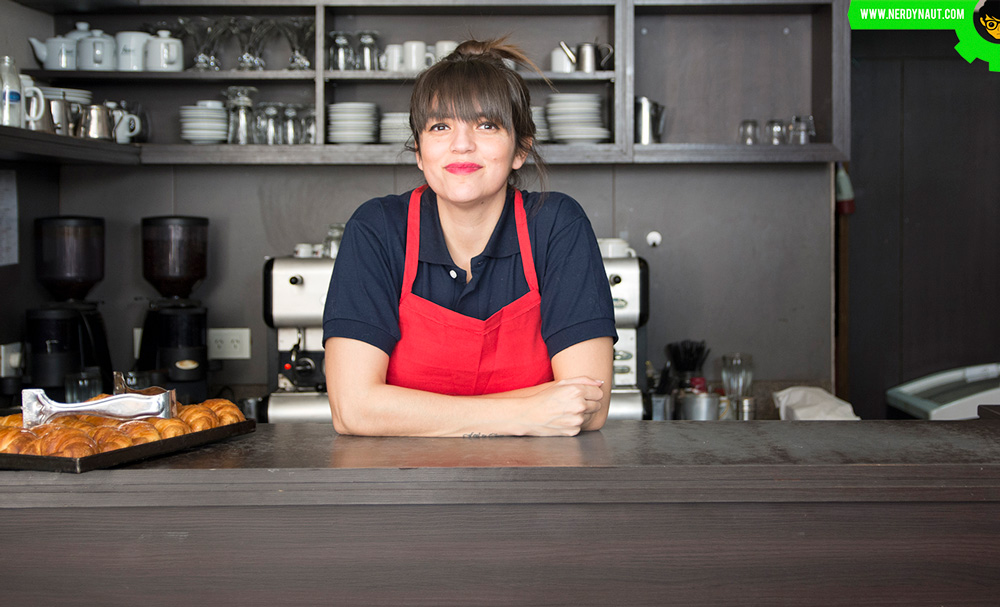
(576, 297)
(363, 300)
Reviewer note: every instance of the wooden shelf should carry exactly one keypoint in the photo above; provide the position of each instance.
(187, 75)
(665, 153)
(24, 145)
(364, 76)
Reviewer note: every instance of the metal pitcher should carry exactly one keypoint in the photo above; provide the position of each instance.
(95, 123)
(586, 56)
(649, 121)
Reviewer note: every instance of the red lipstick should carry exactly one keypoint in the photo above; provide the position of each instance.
(462, 168)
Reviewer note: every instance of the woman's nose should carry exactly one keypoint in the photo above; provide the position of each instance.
(463, 139)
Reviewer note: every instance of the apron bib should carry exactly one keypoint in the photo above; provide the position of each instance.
(446, 352)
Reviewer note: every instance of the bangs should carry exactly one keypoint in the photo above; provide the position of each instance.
(464, 90)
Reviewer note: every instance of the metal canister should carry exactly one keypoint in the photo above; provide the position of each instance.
(747, 409)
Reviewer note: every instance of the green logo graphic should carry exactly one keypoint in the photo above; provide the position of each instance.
(976, 22)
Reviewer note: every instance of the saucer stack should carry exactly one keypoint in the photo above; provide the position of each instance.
(576, 118)
(395, 127)
(204, 123)
(72, 95)
(541, 124)
(352, 122)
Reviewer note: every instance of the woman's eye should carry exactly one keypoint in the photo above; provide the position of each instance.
(437, 127)
(489, 126)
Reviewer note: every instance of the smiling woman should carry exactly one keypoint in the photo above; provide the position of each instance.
(467, 307)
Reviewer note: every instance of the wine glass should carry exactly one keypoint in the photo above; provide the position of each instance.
(206, 35)
(300, 32)
(737, 375)
(251, 33)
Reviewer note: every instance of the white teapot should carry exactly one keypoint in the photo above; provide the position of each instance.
(56, 53)
(96, 52)
(164, 54)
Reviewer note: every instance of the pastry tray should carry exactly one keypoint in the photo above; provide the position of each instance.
(128, 455)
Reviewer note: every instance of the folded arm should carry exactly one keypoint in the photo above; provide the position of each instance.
(362, 403)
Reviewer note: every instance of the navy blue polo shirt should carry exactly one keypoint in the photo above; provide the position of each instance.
(363, 300)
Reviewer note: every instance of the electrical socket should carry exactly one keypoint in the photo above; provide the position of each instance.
(228, 344)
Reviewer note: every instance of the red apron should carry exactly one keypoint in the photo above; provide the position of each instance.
(446, 352)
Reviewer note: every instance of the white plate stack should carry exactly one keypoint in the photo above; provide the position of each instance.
(576, 118)
(394, 127)
(352, 122)
(72, 95)
(541, 124)
(204, 123)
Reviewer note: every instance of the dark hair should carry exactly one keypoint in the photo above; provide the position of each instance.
(473, 82)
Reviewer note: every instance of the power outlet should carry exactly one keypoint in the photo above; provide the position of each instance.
(228, 344)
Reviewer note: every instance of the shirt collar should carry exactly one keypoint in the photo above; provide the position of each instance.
(502, 243)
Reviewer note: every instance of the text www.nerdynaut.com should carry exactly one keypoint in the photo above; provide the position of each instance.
(906, 14)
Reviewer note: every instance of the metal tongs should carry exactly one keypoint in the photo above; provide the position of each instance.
(37, 408)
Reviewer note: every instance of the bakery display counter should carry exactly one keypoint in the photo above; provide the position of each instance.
(640, 513)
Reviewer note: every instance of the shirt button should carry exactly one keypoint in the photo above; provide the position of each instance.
(453, 274)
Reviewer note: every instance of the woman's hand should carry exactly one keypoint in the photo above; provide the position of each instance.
(563, 408)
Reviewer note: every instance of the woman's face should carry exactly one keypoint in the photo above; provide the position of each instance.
(467, 163)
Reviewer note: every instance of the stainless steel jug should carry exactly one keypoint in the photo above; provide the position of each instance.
(649, 121)
(586, 56)
(95, 122)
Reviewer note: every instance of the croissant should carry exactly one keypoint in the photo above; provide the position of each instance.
(66, 442)
(140, 432)
(72, 421)
(100, 420)
(226, 410)
(43, 430)
(109, 439)
(98, 397)
(169, 428)
(199, 417)
(15, 440)
(14, 421)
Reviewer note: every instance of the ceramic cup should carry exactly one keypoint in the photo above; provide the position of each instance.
(392, 59)
(561, 63)
(415, 56)
(443, 48)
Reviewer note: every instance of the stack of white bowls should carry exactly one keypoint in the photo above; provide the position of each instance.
(394, 127)
(72, 95)
(205, 122)
(541, 124)
(576, 118)
(352, 122)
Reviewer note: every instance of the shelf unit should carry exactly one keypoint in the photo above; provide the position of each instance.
(791, 56)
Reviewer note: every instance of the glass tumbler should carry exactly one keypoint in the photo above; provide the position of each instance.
(291, 125)
(268, 128)
(737, 375)
(83, 385)
(749, 132)
(774, 132)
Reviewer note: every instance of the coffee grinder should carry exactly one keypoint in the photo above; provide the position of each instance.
(67, 336)
(174, 345)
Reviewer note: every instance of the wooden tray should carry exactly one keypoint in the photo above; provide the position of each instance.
(127, 455)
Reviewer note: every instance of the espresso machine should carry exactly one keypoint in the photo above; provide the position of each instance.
(173, 351)
(295, 291)
(628, 275)
(67, 336)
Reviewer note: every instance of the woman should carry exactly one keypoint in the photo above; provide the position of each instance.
(468, 307)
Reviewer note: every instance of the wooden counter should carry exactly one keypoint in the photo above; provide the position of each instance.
(640, 513)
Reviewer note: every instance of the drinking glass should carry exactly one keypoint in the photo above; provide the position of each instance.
(737, 375)
(240, 113)
(268, 127)
(749, 133)
(774, 132)
(252, 33)
(291, 124)
(83, 385)
(206, 35)
(341, 52)
(368, 51)
(300, 32)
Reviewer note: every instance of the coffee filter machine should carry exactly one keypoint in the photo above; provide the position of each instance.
(173, 351)
(67, 336)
